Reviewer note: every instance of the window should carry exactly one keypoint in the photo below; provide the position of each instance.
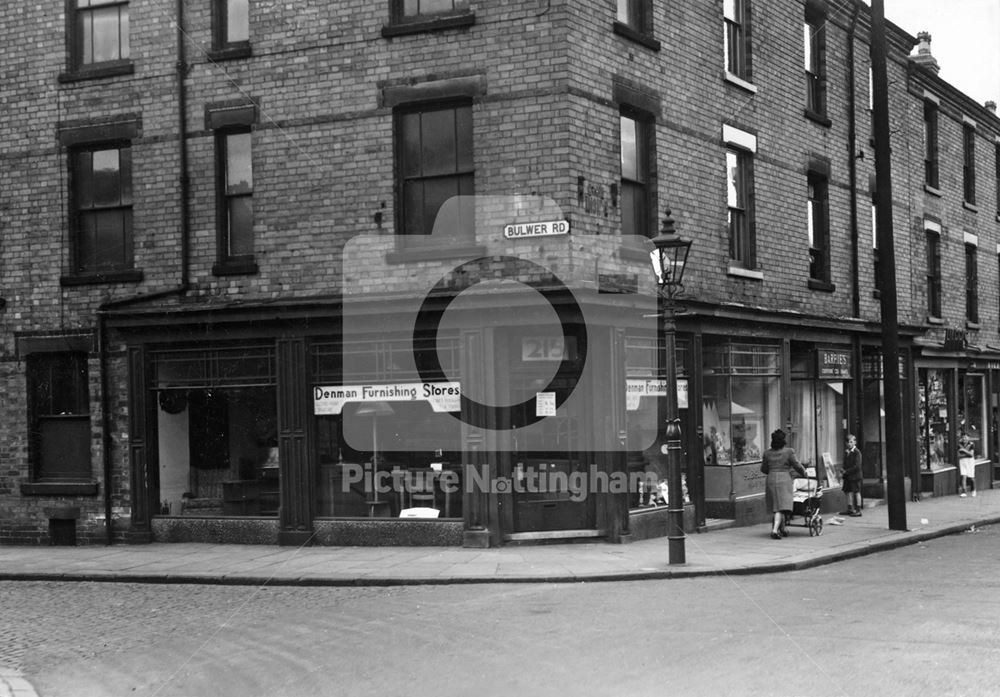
(969, 163)
(818, 212)
(231, 24)
(102, 209)
(216, 430)
(410, 11)
(736, 51)
(635, 159)
(99, 32)
(416, 447)
(877, 265)
(931, 144)
(59, 416)
(632, 13)
(933, 412)
(235, 182)
(738, 171)
(971, 284)
(814, 40)
(933, 273)
(435, 165)
(741, 404)
(998, 177)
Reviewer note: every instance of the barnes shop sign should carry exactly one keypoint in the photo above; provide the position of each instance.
(442, 396)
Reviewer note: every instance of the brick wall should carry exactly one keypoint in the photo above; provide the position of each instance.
(546, 124)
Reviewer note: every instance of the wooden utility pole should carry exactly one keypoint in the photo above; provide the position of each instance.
(895, 483)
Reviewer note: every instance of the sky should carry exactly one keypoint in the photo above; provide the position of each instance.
(965, 40)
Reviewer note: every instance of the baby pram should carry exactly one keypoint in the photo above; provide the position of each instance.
(806, 499)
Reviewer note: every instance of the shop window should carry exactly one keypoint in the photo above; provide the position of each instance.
(971, 284)
(818, 225)
(736, 38)
(814, 49)
(436, 175)
(741, 404)
(645, 398)
(818, 401)
(102, 209)
(382, 456)
(234, 157)
(216, 428)
(637, 150)
(933, 276)
(934, 418)
(230, 28)
(972, 411)
(59, 416)
(931, 144)
(872, 436)
(969, 163)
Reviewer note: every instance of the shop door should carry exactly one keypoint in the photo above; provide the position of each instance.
(549, 471)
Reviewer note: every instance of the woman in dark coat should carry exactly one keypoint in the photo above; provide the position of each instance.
(778, 464)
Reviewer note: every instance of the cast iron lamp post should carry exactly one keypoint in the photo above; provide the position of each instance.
(669, 256)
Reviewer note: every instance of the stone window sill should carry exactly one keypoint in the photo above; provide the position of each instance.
(466, 19)
(403, 256)
(627, 32)
(59, 488)
(98, 71)
(87, 279)
(739, 82)
(821, 119)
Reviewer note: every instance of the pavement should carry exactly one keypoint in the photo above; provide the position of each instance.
(729, 551)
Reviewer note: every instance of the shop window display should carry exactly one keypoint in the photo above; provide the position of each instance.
(972, 411)
(740, 402)
(385, 458)
(933, 416)
(647, 467)
(217, 432)
(818, 410)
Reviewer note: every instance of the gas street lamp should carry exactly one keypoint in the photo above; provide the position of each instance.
(669, 257)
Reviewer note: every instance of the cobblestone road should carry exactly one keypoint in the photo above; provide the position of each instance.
(921, 620)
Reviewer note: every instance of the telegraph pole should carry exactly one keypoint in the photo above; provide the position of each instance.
(894, 466)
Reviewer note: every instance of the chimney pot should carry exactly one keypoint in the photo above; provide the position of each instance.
(924, 57)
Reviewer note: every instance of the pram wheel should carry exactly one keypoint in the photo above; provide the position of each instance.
(816, 526)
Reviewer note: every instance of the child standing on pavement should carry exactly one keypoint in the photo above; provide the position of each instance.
(966, 464)
(852, 477)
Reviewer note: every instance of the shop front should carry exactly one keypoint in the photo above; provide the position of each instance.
(281, 431)
(956, 399)
(740, 407)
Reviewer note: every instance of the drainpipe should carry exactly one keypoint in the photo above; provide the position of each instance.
(182, 287)
(852, 166)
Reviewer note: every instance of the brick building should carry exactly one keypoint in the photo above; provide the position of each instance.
(257, 259)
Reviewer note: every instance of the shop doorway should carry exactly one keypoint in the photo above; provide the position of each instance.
(550, 441)
(550, 474)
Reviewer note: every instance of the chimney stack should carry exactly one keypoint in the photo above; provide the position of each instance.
(991, 106)
(924, 57)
